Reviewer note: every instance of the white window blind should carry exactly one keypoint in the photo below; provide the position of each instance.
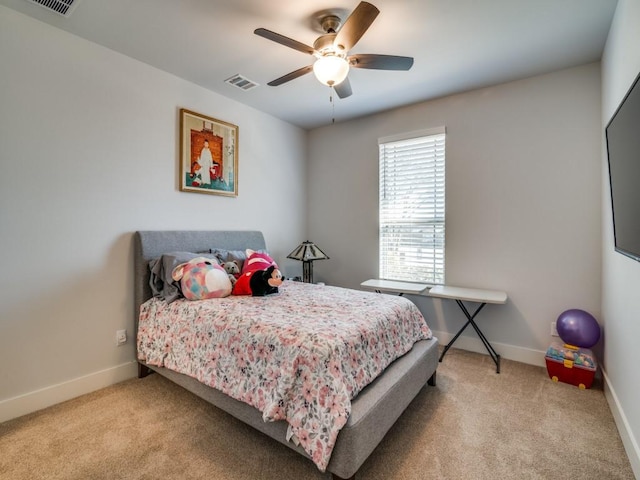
(412, 207)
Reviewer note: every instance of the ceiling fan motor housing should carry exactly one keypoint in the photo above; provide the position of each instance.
(324, 44)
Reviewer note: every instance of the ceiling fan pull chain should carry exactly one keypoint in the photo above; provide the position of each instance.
(333, 104)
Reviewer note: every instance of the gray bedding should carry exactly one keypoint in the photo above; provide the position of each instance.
(373, 411)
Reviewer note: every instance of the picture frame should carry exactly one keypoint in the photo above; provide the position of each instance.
(208, 155)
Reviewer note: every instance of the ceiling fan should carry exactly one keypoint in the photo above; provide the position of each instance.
(331, 50)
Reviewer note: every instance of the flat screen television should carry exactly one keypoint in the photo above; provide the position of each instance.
(623, 152)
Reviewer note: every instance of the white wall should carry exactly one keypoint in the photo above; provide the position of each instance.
(88, 154)
(523, 202)
(621, 275)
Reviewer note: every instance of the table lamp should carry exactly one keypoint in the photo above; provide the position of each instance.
(307, 252)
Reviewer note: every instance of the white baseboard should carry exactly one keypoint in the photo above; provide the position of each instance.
(46, 397)
(628, 440)
(510, 352)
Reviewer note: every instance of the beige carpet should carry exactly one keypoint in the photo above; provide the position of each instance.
(474, 425)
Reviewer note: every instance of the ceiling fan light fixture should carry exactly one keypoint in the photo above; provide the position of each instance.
(332, 50)
(331, 69)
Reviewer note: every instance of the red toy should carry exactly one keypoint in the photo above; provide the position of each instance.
(260, 276)
(569, 364)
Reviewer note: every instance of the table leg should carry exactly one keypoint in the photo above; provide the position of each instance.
(492, 353)
(448, 346)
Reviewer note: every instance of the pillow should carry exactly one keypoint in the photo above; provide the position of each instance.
(224, 256)
(160, 281)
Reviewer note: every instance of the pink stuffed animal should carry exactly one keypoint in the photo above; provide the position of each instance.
(257, 261)
(202, 278)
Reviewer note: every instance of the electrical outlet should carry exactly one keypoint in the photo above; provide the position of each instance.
(121, 337)
(554, 330)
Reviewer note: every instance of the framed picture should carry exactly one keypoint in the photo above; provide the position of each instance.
(208, 155)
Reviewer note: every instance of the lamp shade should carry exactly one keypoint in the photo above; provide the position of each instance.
(307, 251)
(331, 69)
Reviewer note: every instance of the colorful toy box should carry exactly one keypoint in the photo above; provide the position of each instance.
(569, 364)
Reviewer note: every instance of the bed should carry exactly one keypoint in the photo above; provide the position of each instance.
(374, 409)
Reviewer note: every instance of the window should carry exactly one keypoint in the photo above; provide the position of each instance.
(412, 206)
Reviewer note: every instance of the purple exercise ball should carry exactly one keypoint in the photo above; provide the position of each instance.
(579, 328)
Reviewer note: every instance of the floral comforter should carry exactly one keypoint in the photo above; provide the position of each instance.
(299, 355)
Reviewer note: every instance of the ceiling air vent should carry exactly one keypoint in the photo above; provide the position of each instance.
(241, 82)
(63, 7)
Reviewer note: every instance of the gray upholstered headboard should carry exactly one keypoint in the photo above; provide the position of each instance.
(152, 244)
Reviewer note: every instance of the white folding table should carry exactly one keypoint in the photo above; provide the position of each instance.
(393, 286)
(475, 295)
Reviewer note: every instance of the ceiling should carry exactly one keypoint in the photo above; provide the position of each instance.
(457, 45)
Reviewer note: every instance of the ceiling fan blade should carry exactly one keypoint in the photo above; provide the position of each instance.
(343, 89)
(380, 62)
(282, 40)
(355, 26)
(290, 76)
